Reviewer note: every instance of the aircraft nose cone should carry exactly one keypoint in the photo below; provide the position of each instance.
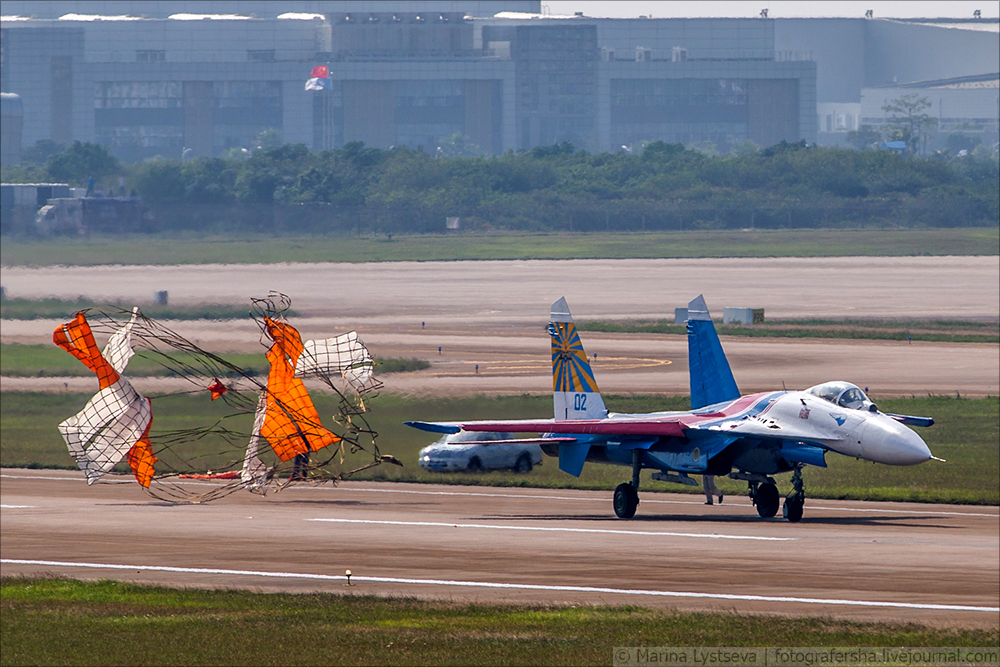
(913, 449)
(887, 441)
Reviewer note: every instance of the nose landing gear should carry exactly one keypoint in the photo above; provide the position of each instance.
(795, 502)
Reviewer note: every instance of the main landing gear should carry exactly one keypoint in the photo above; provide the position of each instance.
(627, 495)
(764, 494)
(765, 497)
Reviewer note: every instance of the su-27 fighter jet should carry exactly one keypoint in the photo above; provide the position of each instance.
(748, 438)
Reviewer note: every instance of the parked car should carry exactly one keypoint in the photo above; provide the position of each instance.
(447, 455)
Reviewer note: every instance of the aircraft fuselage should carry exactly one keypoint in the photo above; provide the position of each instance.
(763, 433)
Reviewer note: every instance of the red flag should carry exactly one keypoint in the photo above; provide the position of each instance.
(320, 72)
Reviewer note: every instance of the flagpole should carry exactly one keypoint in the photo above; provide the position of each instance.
(328, 120)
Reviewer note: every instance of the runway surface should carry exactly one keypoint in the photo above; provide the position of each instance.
(932, 564)
(519, 292)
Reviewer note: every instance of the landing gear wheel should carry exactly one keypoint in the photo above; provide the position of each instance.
(523, 465)
(475, 465)
(767, 500)
(626, 501)
(793, 507)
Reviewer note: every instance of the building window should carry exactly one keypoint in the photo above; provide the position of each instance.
(242, 110)
(136, 120)
(150, 56)
(672, 92)
(261, 56)
(428, 112)
(138, 95)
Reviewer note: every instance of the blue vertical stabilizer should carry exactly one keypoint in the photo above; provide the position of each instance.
(711, 378)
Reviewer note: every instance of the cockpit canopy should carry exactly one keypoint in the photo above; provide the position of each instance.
(844, 394)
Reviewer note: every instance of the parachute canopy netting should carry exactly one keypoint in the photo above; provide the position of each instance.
(219, 427)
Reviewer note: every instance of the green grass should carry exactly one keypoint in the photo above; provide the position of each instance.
(951, 331)
(95, 250)
(34, 309)
(967, 434)
(35, 360)
(58, 621)
(397, 365)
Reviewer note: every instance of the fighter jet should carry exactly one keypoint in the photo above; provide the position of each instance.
(749, 438)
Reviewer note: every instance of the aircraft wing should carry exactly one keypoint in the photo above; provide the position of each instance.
(660, 427)
(678, 426)
(514, 441)
(800, 442)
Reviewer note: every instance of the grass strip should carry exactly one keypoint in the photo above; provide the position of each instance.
(36, 309)
(966, 435)
(60, 621)
(162, 249)
(950, 331)
(36, 360)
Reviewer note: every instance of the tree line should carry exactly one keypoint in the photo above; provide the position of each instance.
(359, 189)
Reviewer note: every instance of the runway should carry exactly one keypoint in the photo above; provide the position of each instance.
(520, 291)
(932, 564)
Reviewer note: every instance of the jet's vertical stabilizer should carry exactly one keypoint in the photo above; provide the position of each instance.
(574, 389)
(711, 378)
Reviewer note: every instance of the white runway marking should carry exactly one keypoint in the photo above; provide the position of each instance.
(561, 530)
(915, 510)
(530, 587)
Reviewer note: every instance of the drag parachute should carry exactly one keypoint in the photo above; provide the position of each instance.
(116, 421)
(287, 442)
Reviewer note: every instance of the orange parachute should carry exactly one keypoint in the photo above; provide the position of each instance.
(76, 338)
(117, 419)
(291, 423)
(140, 457)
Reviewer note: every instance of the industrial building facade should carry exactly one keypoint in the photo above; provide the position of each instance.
(416, 74)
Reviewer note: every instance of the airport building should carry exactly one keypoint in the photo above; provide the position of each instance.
(165, 78)
(965, 104)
